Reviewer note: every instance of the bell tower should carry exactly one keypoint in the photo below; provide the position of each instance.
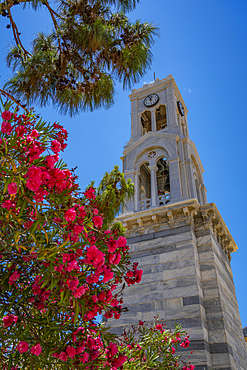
(180, 241)
(160, 158)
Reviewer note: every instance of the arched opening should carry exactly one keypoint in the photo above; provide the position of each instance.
(160, 115)
(163, 181)
(146, 122)
(145, 186)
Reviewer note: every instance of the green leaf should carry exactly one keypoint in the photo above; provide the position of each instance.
(77, 307)
(6, 184)
(62, 297)
(45, 283)
(10, 361)
(23, 207)
(17, 356)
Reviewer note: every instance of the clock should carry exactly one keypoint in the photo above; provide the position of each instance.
(180, 108)
(151, 100)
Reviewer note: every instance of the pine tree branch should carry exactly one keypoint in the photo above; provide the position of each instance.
(16, 33)
(13, 99)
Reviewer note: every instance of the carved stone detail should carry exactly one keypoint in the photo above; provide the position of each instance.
(189, 216)
(171, 221)
(141, 226)
(151, 154)
(208, 216)
(207, 220)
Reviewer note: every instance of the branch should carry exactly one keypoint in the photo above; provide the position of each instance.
(53, 14)
(16, 33)
(14, 100)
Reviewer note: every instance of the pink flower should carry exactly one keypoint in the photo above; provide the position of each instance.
(71, 351)
(90, 193)
(119, 361)
(138, 275)
(35, 133)
(141, 323)
(70, 214)
(115, 258)
(72, 283)
(15, 276)
(22, 347)
(51, 160)
(112, 349)
(95, 257)
(63, 356)
(8, 204)
(12, 188)
(6, 115)
(36, 350)
(112, 245)
(34, 180)
(67, 257)
(8, 320)
(84, 357)
(78, 229)
(114, 303)
(93, 278)
(159, 327)
(122, 241)
(98, 221)
(79, 292)
(73, 266)
(186, 342)
(55, 146)
(108, 275)
(6, 128)
(173, 350)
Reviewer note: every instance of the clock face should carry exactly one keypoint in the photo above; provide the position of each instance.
(180, 108)
(151, 100)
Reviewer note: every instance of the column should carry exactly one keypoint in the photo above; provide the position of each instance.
(191, 181)
(200, 194)
(184, 187)
(153, 120)
(175, 182)
(137, 190)
(139, 125)
(154, 191)
(130, 206)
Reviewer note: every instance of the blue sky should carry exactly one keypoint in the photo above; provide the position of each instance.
(203, 45)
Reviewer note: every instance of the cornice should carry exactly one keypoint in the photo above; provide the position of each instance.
(151, 134)
(185, 212)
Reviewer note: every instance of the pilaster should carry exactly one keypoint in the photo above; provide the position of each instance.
(171, 107)
(175, 183)
(134, 118)
(154, 192)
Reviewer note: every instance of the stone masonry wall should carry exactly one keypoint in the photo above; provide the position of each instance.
(187, 279)
(223, 322)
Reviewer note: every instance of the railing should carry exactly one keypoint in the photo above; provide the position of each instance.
(163, 199)
(145, 204)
